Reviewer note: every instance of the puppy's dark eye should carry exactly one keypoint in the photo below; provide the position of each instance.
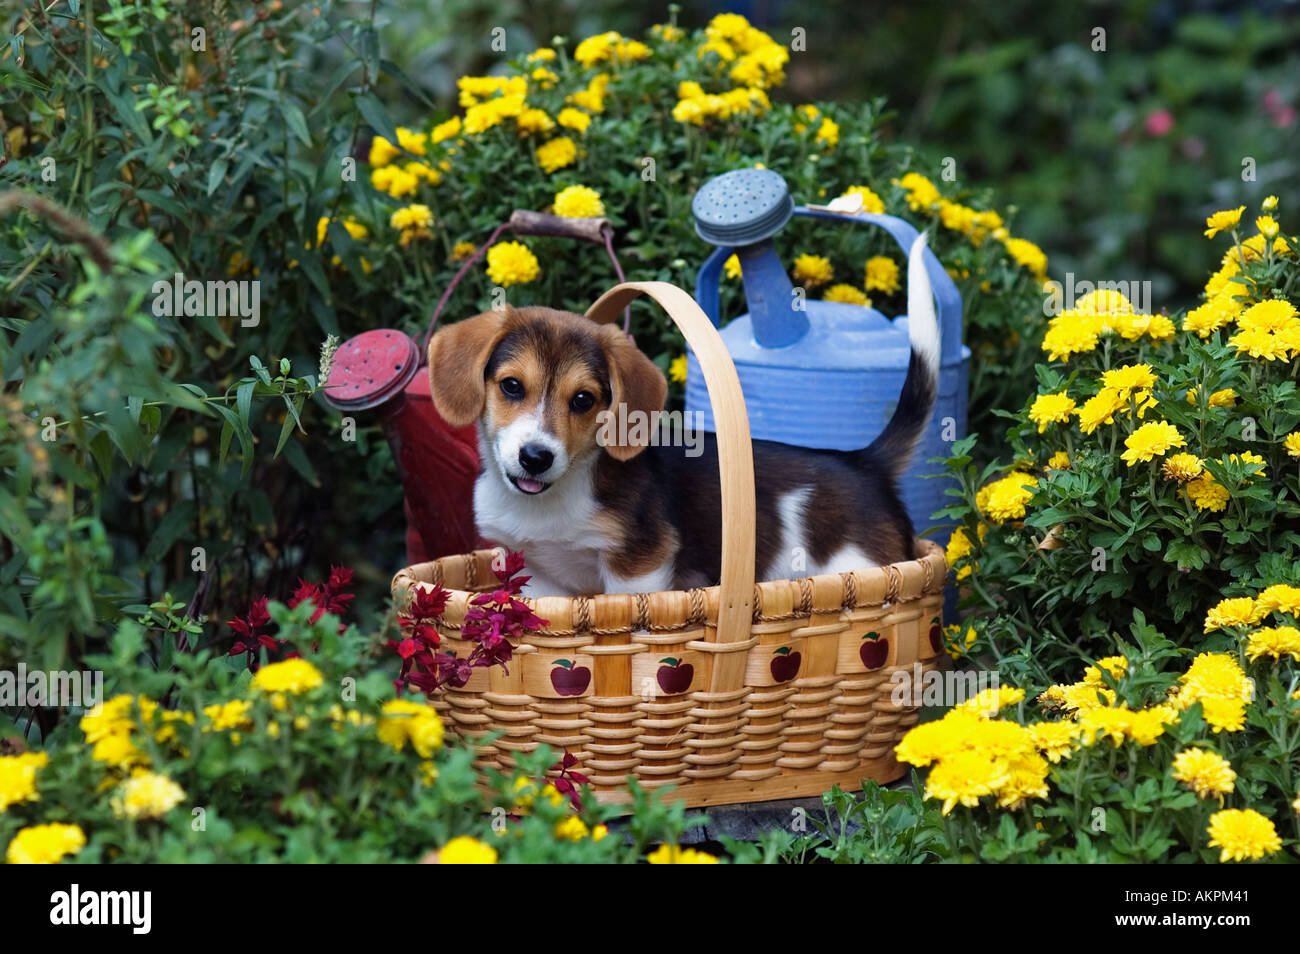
(512, 388)
(582, 402)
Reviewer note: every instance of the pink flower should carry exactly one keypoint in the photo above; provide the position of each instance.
(1159, 122)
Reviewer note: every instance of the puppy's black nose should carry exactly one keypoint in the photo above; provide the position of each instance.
(535, 458)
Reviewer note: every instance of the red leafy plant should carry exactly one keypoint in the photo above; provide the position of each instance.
(331, 596)
(491, 622)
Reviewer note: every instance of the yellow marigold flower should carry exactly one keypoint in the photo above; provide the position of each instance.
(847, 294)
(1129, 378)
(394, 181)
(579, 202)
(1070, 333)
(290, 675)
(572, 828)
(828, 132)
(574, 119)
(18, 777)
(45, 844)
(1147, 725)
(989, 702)
(462, 250)
(1235, 611)
(1051, 409)
(1027, 255)
(557, 154)
(1275, 641)
(870, 201)
(1182, 467)
(1007, 497)
(511, 263)
(1221, 221)
(1104, 722)
(401, 721)
(467, 851)
(146, 795)
(920, 191)
(532, 121)
(228, 715)
(812, 271)
(965, 777)
(673, 855)
(1208, 494)
(412, 217)
(677, 369)
(1059, 461)
(1206, 773)
(881, 274)
(382, 152)
(1153, 439)
(1055, 740)
(1267, 226)
(1215, 314)
(1279, 597)
(1242, 834)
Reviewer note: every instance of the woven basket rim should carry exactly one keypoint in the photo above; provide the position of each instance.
(929, 553)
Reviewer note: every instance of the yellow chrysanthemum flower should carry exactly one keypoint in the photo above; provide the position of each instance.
(1235, 611)
(1208, 494)
(1147, 725)
(228, 715)
(1242, 834)
(812, 271)
(1059, 461)
(394, 181)
(920, 192)
(146, 795)
(677, 369)
(1051, 409)
(1027, 255)
(881, 274)
(1219, 312)
(1275, 641)
(467, 851)
(579, 202)
(18, 777)
(1224, 398)
(557, 154)
(543, 54)
(1153, 439)
(290, 675)
(965, 777)
(1182, 467)
(1129, 378)
(574, 119)
(828, 133)
(412, 217)
(1005, 499)
(673, 855)
(1222, 221)
(989, 702)
(1267, 226)
(1291, 443)
(847, 294)
(45, 844)
(533, 121)
(461, 251)
(731, 267)
(1281, 597)
(1206, 773)
(1055, 740)
(403, 721)
(382, 152)
(1070, 333)
(512, 263)
(444, 131)
(870, 201)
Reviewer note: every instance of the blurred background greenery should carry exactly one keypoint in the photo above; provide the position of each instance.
(1114, 156)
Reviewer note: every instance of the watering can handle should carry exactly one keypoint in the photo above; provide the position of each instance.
(946, 296)
(525, 222)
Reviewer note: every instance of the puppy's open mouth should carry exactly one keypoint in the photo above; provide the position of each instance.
(527, 484)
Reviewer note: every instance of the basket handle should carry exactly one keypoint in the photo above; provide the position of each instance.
(735, 457)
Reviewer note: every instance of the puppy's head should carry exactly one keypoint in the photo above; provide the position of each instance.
(537, 380)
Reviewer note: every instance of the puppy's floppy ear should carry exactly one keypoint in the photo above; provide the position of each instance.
(639, 388)
(458, 355)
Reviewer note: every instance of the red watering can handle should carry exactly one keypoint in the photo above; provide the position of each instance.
(524, 222)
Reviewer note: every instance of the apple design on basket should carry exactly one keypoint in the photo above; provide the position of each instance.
(568, 679)
(874, 650)
(936, 635)
(785, 664)
(674, 676)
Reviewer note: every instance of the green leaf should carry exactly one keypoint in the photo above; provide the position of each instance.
(373, 112)
(173, 524)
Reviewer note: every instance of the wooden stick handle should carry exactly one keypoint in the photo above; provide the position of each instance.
(735, 457)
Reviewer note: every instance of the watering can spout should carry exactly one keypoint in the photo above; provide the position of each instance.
(743, 209)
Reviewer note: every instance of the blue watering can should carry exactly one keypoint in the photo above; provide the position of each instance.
(819, 373)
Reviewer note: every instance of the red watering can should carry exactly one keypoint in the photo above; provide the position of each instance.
(380, 370)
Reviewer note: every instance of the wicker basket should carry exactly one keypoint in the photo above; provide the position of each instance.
(734, 693)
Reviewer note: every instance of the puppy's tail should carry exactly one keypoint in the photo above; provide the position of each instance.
(893, 448)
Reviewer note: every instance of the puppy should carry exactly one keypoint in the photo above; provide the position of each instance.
(637, 519)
